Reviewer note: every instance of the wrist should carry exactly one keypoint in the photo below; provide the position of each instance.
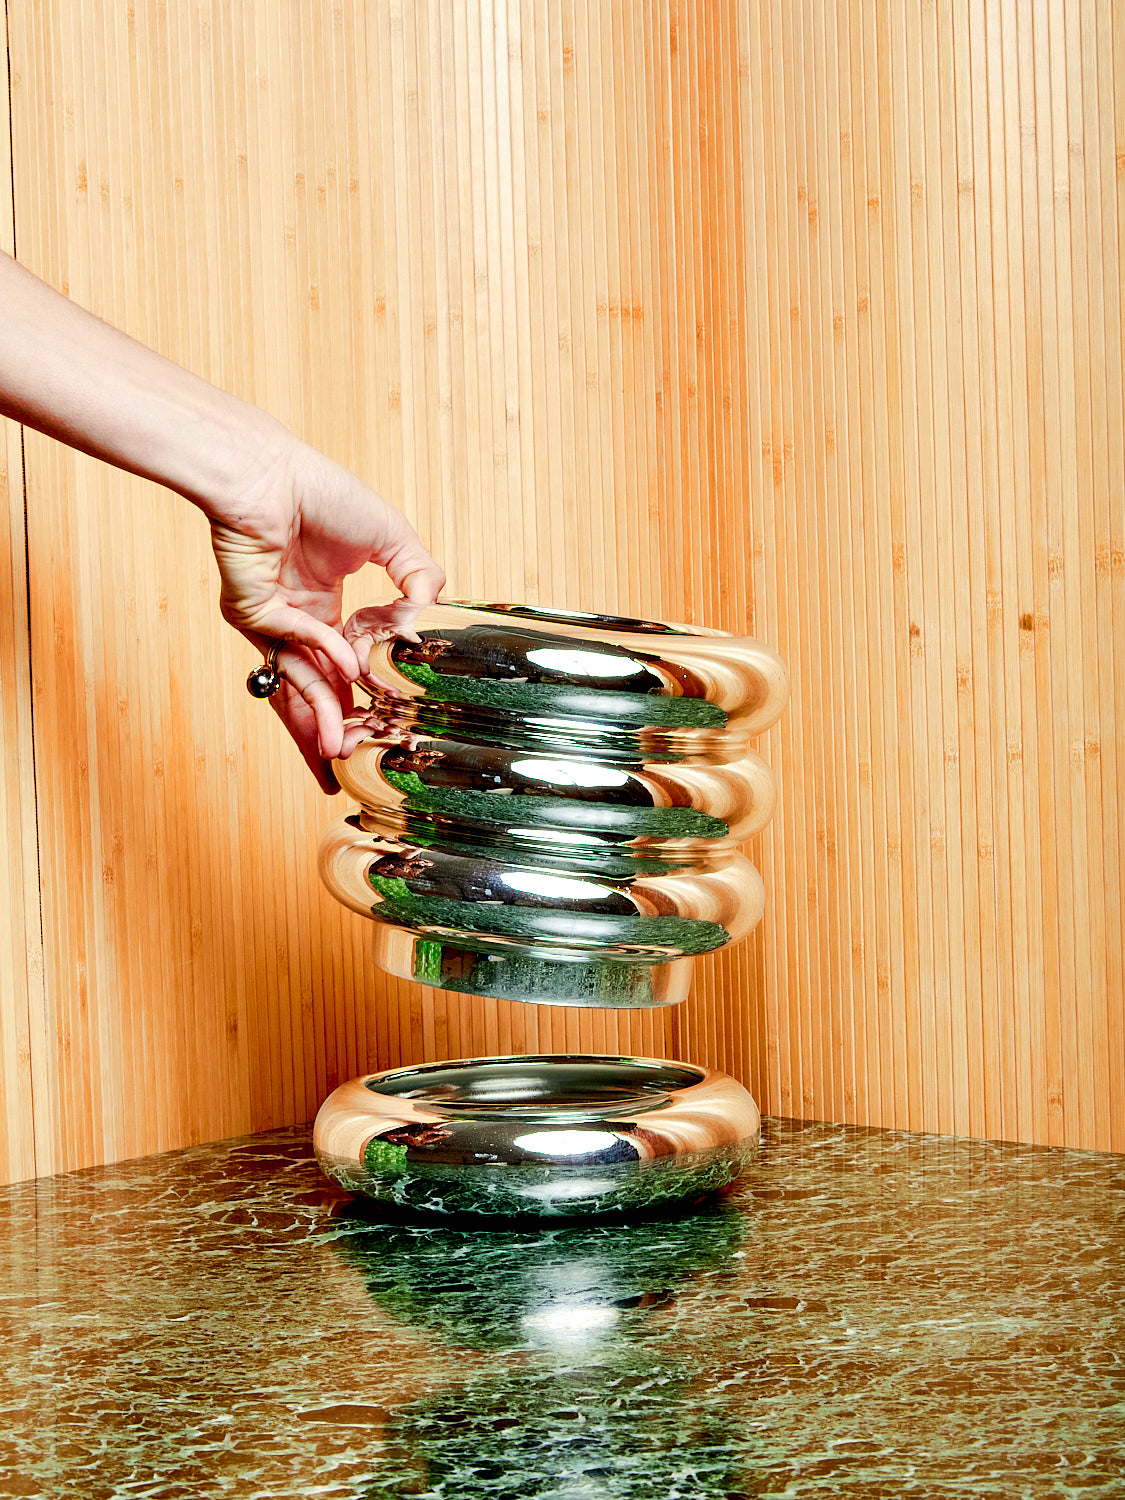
(226, 455)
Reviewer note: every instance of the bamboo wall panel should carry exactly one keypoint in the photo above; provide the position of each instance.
(933, 215)
(803, 319)
(21, 967)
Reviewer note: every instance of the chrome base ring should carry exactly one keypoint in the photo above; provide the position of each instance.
(554, 1136)
(520, 972)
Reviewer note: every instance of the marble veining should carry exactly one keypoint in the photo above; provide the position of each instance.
(868, 1314)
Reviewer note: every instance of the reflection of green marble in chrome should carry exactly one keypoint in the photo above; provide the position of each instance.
(529, 811)
(499, 650)
(427, 962)
(668, 936)
(386, 1158)
(507, 1191)
(544, 698)
(600, 982)
(603, 862)
(623, 745)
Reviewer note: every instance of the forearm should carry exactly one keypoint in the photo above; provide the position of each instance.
(288, 524)
(66, 373)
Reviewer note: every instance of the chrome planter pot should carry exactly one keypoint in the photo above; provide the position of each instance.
(537, 1136)
(551, 802)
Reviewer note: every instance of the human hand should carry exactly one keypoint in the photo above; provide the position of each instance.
(288, 524)
(296, 530)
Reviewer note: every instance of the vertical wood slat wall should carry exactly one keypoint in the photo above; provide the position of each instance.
(798, 318)
(21, 971)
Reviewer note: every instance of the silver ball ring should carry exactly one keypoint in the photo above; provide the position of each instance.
(265, 680)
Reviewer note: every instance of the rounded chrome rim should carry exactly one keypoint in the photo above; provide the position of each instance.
(559, 1087)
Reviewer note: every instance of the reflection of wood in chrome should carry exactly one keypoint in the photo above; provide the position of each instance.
(733, 896)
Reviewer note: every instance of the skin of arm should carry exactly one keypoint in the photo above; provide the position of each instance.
(288, 524)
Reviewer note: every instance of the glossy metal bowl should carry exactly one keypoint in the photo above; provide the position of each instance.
(551, 801)
(543, 1136)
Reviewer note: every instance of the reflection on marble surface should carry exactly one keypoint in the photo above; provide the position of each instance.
(569, 1287)
(870, 1314)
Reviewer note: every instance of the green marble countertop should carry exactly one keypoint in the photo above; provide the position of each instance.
(870, 1314)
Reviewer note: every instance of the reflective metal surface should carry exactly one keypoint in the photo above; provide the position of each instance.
(543, 1136)
(551, 801)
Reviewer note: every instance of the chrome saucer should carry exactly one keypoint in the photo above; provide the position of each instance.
(542, 1136)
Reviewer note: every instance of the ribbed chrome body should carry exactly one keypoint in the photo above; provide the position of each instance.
(551, 802)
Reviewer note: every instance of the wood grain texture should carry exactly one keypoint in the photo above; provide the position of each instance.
(21, 959)
(803, 320)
